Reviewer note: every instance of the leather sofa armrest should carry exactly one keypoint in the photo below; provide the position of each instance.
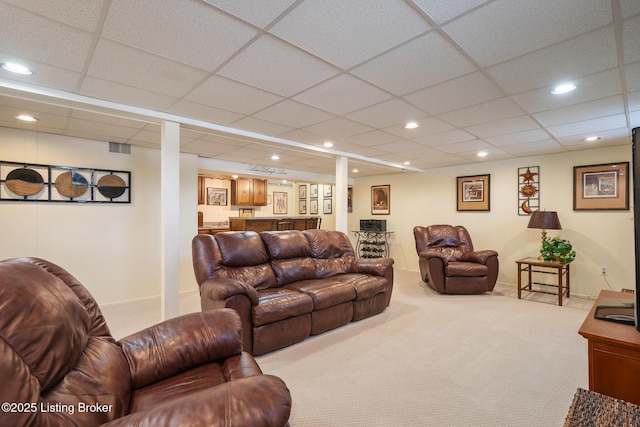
(432, 253)
(181, 343)
(261, 400)
(219, 289)
(479, 257)
(374, 266)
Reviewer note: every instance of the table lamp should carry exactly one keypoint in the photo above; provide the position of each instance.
(544, 220)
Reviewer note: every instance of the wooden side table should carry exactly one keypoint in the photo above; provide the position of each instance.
(559, 269)
(614, 354)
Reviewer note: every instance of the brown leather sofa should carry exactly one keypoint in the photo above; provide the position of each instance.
(288, 285)
(449, 264)
(60, 366)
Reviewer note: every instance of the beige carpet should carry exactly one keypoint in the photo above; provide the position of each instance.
(436, 360)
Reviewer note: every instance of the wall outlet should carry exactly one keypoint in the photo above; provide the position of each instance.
(605, 271)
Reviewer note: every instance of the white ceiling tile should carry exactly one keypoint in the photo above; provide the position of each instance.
(423, 62)
(516, 27)
(342, 94)
(375, 137)
(277, 67)
(443, 10)
(204, 112)
(82, 14)
(584, 111)
(608, 136)
(44, 75)
(388, 113)
(465, 147)
(184, 25)
(427, 126)
(261, 126)
(35, 38)
(567, 61)
(338, 128)
(138, 69)
(497, 109)
(632, 76)
(519, 137)
(587, 127)
(454, 94)
(90, 126)
(629, 8)
(293, 114)
(444, 138)
(347, 33)
(634, 101)
(127, 95)
(631, 40)
(260, 13)
(502, 127)
(534, 148)
(230, 95)
(400, 146)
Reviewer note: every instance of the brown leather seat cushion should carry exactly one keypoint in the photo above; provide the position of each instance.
(466, 269)
(278, 304)
(366, 286)
(326, 292)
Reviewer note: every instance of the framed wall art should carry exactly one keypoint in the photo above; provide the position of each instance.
(380, 199)
(216, 196)
(601, 187)
(313, 191)
(313, 206)
(473, 193)
(302, 207)
(327, 190)
(302, 191)
(280, 202)
(327, 206)
(528, 190)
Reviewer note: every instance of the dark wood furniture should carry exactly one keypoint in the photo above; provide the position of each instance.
(559, 269)
(249, 192)
(614, 354)
(259, 224)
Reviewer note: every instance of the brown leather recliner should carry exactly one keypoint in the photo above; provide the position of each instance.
(449, 264)
(60, 366)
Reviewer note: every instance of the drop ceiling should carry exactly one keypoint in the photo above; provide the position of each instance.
(475, 75)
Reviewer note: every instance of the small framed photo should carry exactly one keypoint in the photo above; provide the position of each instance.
(350, 199)
(313, 191)
(326, 190)
(380, 199)
(326, 206)
(302, 207)
(280, 202)
(601, 187)
(302, 191)
(247, 212)
(313, 206)
(216, 196)
(474, 193)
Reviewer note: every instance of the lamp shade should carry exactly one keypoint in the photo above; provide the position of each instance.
(545, 220)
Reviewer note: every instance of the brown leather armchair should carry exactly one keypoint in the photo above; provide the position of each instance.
(449, 264)
(60, 366)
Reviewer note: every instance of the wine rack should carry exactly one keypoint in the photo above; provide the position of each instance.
(372, 244)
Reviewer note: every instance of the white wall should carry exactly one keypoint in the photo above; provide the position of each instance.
(113, 249)
(601, 238)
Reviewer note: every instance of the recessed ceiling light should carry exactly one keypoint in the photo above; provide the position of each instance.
(407, 163)
(275, 157)
(234, 176)
(26, 118)
(355, 170)
(328, 144)
(482, 154)
(592, 138)
(563, 88)
(411, 125)
(16, 68)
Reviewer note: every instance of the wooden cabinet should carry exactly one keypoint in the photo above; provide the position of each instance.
(249, 192)
(614, 354)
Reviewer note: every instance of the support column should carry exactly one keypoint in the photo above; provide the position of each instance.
(170, 219)
(342, 183)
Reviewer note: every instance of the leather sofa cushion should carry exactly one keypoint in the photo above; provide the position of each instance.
(466, 269)
(242, 249)
(293, 270)
(443, 235)
(366, 286)
(285, 245)
(325, 292)
(278, 304)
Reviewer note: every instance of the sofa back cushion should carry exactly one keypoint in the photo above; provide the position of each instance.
(451, 241)
(290, 255)
(331, 251)
(55, 348)
(238, 255)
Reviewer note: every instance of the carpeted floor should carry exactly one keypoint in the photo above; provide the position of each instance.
(437, 360)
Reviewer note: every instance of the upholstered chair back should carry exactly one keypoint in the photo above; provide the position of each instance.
(290, 255)
(451, 241)
(331, 251)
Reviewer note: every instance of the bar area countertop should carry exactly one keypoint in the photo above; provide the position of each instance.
(272, 223)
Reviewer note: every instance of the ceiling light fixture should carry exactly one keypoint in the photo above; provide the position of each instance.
(328, 144)
(275, 157)
(355, 170)
(563, 88)
(482, 154)
(407, 163)
(16, 68)
(27, 118)
(411, 125)
(592, 138)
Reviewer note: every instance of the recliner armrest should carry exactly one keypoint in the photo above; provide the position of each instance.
(219, 289)
(179, 344)
(433, 253)
(479, 257)
(374, 266)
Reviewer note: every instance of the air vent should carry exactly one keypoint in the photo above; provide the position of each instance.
(117, 147)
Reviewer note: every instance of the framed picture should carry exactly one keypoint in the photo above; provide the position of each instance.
(350, 199)
(326, 190)
(313, 191)
(302, 191)
(601, 187)
(313, 206)
(380, 199)
(280, 202)
(247, 213)
(528, 190)
(326, 206)
(302, 208)
(474, 193)
(217, 196)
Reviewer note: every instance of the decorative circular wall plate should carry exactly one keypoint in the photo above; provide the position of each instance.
(111, 186)
(71, 184)
(24, 182)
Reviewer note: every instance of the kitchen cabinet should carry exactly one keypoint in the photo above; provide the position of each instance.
(249, 192)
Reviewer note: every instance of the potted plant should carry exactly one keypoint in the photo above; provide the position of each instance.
(558, 250)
